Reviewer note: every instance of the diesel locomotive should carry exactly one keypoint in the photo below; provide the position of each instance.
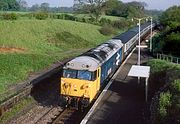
(84, 75)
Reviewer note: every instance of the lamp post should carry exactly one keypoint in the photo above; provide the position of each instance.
(139, 43)
(151, 36)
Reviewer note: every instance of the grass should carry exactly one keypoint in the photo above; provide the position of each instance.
(17, 108)
(44, 42)
(112, 18)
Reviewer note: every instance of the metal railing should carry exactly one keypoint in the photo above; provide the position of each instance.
(168, 58)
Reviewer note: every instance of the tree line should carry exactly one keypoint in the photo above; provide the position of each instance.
(95, 8)
(169, 39)
(22, 5)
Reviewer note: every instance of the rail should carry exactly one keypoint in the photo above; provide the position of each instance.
(168, 58)
(25, 91)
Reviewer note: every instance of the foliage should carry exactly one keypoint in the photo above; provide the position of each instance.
(121, 24)
(10, 16)
(169, 40)
(172, 43)
(107, 30)
(17, 108)
(23, 5)
(41, 15)
(9, 5)
(171, 17)
(93, 7)
(175, 86)
(168, 75)
(44, 7)
(160, 65)
(130, 9)
(164, 103)
(104, 21)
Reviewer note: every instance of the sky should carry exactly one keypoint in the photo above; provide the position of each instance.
(152, 4)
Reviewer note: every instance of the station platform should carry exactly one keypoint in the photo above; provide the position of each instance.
(124, 101)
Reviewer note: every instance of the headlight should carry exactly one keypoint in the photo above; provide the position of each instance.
(85, 86)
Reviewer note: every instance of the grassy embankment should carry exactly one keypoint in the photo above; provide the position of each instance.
(41, 43)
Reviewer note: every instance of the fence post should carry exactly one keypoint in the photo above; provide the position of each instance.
(177, 60)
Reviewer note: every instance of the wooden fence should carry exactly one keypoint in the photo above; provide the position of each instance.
(168, 58)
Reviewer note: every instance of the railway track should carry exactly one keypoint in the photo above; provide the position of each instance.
(25, 89)
(65, 117)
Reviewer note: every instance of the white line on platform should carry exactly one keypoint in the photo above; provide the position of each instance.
(88, 115)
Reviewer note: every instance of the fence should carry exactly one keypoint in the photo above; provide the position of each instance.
(168, 58)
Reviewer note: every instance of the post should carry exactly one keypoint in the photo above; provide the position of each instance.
(151, 37)
(139, 49)
(146, 89)
(177, 60)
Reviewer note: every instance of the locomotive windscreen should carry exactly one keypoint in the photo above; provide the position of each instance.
(79, 74)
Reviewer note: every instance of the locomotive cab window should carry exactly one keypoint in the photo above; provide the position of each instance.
(80, 74)
(69, 73)
(84, 75)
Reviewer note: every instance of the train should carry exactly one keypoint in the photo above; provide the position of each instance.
(84, 75)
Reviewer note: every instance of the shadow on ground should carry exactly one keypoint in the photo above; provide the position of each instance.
(47, 91)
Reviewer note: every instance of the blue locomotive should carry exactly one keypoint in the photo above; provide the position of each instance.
(84, 75)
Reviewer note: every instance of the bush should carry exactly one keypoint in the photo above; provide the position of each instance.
(10, 16)
(41, 15)
(104, 21)
(107, 30)
(164, 103)
(120, 24)
(30, 15)
(176, 86)
(69, 17)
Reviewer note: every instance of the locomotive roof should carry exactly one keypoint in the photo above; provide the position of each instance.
(126, 36)
(93, 58)
(83, 63)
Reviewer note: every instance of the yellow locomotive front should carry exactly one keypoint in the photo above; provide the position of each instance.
(80, 82)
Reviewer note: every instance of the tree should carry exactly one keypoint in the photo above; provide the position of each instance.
(116, 8)
(131, 9)
(9, 5)
(93, 7)
(34, 7)
(45, 7)
(136, 9)
(3, 5)
(23, 4)
(171, 17)
(170, 36)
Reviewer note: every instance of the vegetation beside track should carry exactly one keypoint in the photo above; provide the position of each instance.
(16, 109)
(40, 43)
(165, 81)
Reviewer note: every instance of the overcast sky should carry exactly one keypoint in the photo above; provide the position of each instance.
(152, 4)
